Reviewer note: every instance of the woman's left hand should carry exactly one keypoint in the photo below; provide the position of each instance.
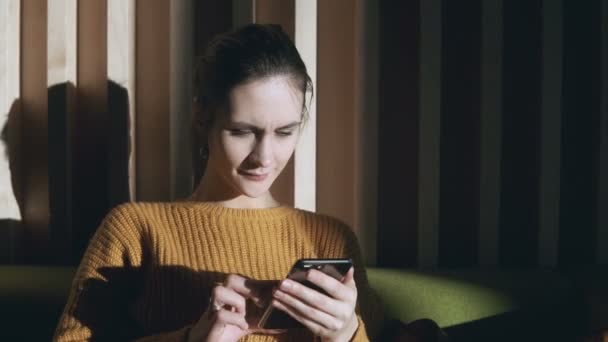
(331, 317)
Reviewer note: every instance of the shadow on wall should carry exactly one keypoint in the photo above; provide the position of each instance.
(88, 174)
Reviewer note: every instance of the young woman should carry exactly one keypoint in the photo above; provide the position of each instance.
(199, 269)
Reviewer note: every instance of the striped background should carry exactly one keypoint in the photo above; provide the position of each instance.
(446, 133)
(492, 133)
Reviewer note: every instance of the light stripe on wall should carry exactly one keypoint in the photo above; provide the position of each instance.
(491, 131)
(550, 143)
(430, 126)
(10, 214)
(602, 201)
(9, 93)
(305, 166)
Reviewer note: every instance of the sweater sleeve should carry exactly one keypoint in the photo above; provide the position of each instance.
(107, 280)
(370, 312)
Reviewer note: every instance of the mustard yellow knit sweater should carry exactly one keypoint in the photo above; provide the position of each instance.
(149, 269)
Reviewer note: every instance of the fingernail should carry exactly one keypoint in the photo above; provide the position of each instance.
(286, 285)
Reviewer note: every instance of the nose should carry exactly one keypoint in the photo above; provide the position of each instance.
(262, 153)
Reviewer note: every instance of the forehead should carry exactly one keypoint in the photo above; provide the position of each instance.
(273, 100)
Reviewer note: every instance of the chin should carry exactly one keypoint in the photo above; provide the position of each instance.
(254, 193)
(252, 190)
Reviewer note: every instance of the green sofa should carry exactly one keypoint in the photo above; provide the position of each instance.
(471, 305)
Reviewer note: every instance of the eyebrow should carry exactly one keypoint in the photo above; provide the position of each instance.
(241, 125)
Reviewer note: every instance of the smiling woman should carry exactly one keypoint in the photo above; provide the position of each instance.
(200, 269)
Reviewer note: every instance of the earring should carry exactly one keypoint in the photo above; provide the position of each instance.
(204, 152)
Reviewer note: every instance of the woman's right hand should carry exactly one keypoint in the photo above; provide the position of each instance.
(224, 319)
(226, 316)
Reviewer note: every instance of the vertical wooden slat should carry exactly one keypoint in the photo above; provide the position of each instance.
(398, 124)
(602, 198)
(181, 58)
(551, 133)
(366, 127)
(305, 178)
(336, 111)
(460, 127)
(34, 165)
(429, 124)
(153, 102)
(121, 73)
(280, 12)
(491, 118)
(10, 213)
(62, 79)
(61, 61)
(518, 234)
(90, 124)
(580, 132)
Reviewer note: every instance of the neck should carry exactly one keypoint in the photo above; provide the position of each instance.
(213, 189)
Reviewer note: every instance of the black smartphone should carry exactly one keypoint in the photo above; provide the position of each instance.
(336, 268)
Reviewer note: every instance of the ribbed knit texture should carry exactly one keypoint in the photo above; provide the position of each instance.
(150, 267)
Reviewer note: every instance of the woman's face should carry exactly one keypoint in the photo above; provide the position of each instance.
(250, 145)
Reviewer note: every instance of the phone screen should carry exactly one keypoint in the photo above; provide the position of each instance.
(336, 268)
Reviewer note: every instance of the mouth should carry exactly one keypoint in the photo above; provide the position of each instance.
(257, 177)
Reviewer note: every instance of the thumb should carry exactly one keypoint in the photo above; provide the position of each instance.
(349, 278)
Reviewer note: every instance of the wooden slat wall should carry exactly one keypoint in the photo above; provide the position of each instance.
(521, 176)
(444, 136)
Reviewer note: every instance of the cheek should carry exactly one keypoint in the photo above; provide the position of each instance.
(235, 150)
(284, 150)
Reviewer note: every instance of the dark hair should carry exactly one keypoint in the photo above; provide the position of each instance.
(250, 53)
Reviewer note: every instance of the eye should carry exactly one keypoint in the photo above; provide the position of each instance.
(284, 133)
(239, 132)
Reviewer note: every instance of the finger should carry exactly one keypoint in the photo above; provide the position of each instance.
(311, 297)
(307, 312)
(316, 328)
(224, 317)
(333, 287)
(349, 278)
(257, 290)
(226, 296)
